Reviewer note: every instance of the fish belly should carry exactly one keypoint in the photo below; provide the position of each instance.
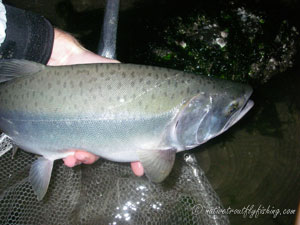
(115, 139)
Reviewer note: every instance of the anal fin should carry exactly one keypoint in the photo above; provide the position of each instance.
(39, 176)
(157, 163)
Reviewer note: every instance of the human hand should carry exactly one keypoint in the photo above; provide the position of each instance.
(66, 51)
(81, 156)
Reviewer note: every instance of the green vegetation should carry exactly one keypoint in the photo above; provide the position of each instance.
(237, 44)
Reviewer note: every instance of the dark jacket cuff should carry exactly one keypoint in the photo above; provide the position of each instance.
(28, 36)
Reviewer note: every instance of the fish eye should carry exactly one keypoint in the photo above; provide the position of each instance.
(234, 105)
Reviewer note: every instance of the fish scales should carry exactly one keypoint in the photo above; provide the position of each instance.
(80, 89)
(122, 112)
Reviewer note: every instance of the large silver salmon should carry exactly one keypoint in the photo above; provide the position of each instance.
(121, 112)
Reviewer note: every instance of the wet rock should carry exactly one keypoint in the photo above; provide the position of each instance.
(237, 43)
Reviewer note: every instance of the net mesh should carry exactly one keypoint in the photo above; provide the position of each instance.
(105, 193)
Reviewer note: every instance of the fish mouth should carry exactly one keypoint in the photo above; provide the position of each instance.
(239, 114)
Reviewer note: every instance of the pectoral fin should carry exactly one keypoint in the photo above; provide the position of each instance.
(157, 163)
(39, 176)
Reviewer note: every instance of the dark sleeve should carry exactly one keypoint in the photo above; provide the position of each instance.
(28, 36)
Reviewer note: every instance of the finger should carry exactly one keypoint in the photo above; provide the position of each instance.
(70, 161)
(137, 169)
(85, 157)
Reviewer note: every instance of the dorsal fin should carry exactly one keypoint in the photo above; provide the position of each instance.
(13, 68)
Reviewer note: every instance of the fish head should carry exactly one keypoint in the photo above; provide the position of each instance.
(211, 113)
